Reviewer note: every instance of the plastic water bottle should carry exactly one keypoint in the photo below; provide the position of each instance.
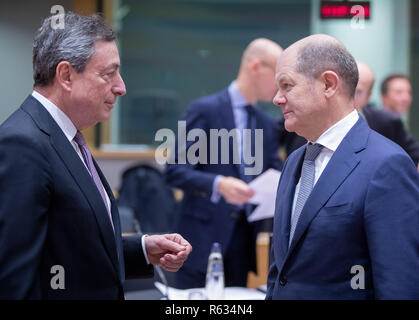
(215, 274)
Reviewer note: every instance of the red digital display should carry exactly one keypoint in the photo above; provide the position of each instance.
(344, 9)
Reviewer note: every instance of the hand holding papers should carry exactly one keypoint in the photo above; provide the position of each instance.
(265, 187)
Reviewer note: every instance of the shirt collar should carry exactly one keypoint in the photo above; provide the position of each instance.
(58, 115)
(237, 99)
(333, 136)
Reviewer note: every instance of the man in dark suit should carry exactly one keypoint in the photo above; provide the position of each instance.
(347, 213)
(216, 193)
(396, 94)
(387, 123)
(59, 224)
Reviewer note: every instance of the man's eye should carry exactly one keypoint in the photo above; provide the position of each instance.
(109, 74)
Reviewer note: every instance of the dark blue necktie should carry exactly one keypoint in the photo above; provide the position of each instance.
(249, 143)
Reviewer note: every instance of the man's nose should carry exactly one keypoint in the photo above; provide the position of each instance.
(119, 87)
(279, 99)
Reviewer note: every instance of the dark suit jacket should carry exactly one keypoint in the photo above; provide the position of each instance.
(364, 211)
(51, 213)
(391, 126)
(384, 122)
(203, 222)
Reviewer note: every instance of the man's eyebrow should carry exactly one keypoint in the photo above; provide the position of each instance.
(113, 66)
(283, 77)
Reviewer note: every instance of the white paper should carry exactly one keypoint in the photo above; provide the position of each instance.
(265, 187)
(230, 293)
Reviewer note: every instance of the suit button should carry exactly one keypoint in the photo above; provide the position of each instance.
(282, 280)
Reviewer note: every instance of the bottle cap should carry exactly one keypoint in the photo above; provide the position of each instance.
(216, 247)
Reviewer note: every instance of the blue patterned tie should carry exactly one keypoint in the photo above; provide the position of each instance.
(307, 183)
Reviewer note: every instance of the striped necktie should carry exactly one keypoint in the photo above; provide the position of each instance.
(87, 156)
(307, 183)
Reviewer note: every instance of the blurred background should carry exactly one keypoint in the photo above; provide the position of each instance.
(173, 51)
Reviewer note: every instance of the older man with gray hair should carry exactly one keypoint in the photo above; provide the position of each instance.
(59, 224)
(347, 213)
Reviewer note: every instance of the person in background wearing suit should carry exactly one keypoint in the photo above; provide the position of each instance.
(347, 213)
(396, 94)
(387, 123)
(59, 224)
(214, 206)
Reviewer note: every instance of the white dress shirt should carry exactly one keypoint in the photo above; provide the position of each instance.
(331, 140)
(69, 130)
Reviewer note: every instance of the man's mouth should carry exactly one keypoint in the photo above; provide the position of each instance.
(110, 104)
(286, 113)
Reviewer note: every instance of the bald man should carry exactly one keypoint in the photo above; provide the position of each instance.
(384, 122)
(216, 193)
(347, 216)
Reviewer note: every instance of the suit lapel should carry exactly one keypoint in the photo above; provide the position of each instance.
(340, 166)
(285, 198)
(77, 170)
(115, 220)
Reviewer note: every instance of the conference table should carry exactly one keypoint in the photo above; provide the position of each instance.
(161, 292)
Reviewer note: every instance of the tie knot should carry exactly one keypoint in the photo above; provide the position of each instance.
(312, 151)
(80, 139)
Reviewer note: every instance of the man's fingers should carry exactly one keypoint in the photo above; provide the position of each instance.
(245, 192)
(170, 245)
(240, 196)
(179, 239)
(171, 263)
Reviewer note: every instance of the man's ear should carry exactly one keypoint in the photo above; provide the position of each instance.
(63, 75)
(330, 80)
(255, 65)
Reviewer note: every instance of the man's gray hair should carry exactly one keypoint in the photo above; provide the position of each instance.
(74, 43)
(315, 58)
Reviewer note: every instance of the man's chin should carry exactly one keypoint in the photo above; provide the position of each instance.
(289, 125)
(105, 116)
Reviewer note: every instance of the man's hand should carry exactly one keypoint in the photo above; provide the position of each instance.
(168, 251)
(234, 191)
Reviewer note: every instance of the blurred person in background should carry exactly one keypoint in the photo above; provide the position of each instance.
(214, 207)
(385, 122)
(396, 94)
